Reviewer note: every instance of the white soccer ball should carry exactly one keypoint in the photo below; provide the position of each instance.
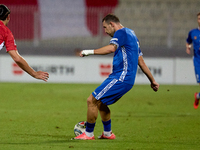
(79, 128)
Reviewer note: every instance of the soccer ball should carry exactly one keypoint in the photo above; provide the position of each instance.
(79, 128)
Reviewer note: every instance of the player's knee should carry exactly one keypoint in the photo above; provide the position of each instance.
(91, 100)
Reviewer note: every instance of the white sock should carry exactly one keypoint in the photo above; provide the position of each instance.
(107, 133)
(198, 96)
(89, 134)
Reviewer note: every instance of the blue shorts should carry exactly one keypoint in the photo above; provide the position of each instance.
(111, 90)
(197, 73)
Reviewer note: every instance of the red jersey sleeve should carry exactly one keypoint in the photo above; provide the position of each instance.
(10, 41)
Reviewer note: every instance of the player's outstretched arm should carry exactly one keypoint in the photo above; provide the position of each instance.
(21, 62)
(147, 72)
(101, 51)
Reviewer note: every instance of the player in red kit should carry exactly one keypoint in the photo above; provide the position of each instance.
(7, 40)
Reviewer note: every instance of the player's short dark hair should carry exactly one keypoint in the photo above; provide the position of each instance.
(4, 12)
(111, 17)
(198, 14)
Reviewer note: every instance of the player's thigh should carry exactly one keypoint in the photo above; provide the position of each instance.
(110, 91)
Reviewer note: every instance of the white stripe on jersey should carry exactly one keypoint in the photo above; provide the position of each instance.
(106, 89)
(125, 62)
(114, 42)
(1, 45)
(114, 39)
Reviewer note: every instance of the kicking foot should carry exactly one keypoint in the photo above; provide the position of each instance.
(83, 136)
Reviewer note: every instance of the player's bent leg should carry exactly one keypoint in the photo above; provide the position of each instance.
(92, 114)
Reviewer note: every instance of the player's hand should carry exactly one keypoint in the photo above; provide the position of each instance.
(188, 51)
(86, 52)
(155, 86)
(42, 75)
(81, 54)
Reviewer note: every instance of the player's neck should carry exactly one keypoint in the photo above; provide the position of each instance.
(4, 22)
(119, 26)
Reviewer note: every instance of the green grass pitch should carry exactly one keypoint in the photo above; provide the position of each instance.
(42, 116)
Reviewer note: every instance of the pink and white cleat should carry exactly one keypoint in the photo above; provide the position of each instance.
(112, 137)
(83, 136)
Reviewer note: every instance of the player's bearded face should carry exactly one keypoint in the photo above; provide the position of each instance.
(108, 29)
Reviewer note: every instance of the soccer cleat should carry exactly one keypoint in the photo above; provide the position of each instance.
(196, 102)
(83, 136)
(112, 137)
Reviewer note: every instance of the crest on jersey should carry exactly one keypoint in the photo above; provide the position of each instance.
(195, 37)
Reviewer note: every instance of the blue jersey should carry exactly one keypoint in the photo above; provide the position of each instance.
(194, 38)
(125, 61)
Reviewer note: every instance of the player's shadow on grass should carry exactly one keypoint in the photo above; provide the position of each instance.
(59, 139)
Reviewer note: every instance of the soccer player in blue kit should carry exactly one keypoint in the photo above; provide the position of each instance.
(194, 38)
(127, 56)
